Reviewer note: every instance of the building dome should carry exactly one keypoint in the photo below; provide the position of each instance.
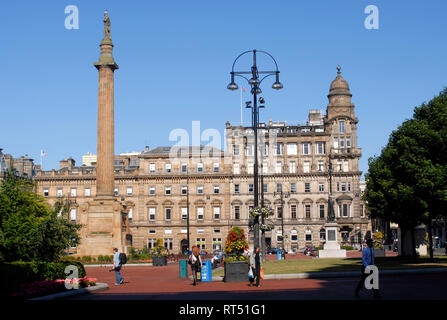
(339, 86)
(339, 93)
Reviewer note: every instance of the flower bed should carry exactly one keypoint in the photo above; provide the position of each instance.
(47, 287)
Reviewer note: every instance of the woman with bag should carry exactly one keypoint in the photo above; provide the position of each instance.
(196, 263)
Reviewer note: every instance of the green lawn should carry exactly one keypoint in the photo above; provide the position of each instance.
(350, 264)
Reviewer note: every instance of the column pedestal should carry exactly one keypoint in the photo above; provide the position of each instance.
(103, 228)
(331, 248)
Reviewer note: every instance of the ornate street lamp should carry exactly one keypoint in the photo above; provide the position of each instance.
(255, 83)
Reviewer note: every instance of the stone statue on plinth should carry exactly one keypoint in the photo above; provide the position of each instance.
(107, 33)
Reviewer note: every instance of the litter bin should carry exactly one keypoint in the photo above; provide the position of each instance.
(183, 268)
(207, 272)
(279, 254)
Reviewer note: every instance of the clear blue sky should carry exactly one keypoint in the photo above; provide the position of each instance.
(175, 57)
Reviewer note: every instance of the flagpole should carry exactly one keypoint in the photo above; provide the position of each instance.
(242, 114)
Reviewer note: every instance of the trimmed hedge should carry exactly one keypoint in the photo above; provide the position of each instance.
(13, 274)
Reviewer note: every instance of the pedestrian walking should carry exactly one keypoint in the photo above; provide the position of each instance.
(367, 260)
(196, 263)
(117, 267)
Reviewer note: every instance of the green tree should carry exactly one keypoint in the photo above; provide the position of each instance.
(407, 183)
(30, 229)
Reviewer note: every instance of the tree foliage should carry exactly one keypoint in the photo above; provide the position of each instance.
(30, 229)
(407, 183)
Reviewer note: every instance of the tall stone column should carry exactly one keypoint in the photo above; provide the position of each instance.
(101, 218)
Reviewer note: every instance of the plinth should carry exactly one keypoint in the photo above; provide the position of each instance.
(331, 248)
(103, 227)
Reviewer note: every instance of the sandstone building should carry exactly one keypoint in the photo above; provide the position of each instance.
(160, 187)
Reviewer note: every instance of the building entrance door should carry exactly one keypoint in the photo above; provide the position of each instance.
(184, 246)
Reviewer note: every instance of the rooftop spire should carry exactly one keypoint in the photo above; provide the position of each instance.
(338, 69)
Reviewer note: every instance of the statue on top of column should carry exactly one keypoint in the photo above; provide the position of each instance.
(107, 34)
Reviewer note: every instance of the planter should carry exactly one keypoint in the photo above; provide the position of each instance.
(159, 260)
(379, 252)
(236, 271)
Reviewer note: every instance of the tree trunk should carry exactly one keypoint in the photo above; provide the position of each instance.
(413, 243)
(430, 238)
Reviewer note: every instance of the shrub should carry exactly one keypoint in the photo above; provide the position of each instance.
(15, 274)
(347, 247)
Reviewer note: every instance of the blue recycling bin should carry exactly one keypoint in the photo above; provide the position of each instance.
(207, 272)
(279, 254)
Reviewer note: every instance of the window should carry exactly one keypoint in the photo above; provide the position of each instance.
(343, 187)
(168, 214)
(73, 192)
(362, 210)
(250, 188)
(349, 186)
(236, 168)
(129, 215)
(320, 147)
(168, 167)
(216, 189)
(168, 244)
(151, 214)
(341, 126)
(184, 190)
(266, 149)
(167, 190)
(216, 167)
(322, 235)
(235, 150)
(342, 145)
(336, 144)
(200, 213)
(265, 188)
(264, 167)
(73, 214)
(279, 148)
(236, 188)
(293, 211)
(291, 149)
(151, 243)
(250, 150)
(279, 211)
(45, 192)
(306, 167)
(344, 210)
(292, 167)
(199, 189)
(184, 213)
(201, 243)
(340, 165)
(308, 235)
(293, 187)
(184, 167)
(322, 211)
(217, 243)
(129, 191)
(348, 144)
(237, 213)
(294, 236)
(115, 192)
(346, 166)
(200, 167)
(307, 210)
(216, 211)
(278, 187)
(278, 167)
(87, 192)
(306, 148)
(250, 167)
(321, 187)
(320, 165)
(307, 187)
(151, 167)
(59, 192)
(152, 191)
